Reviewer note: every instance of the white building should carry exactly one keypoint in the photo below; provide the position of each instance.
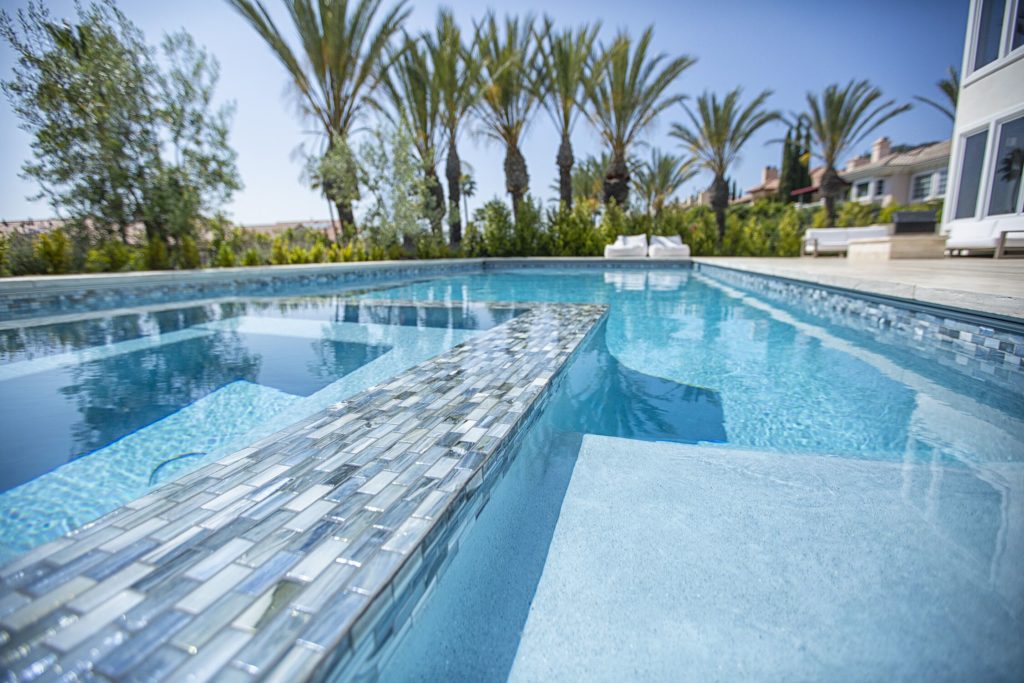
(905, 176)
(985, 196)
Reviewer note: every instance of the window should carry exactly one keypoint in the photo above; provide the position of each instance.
(1017, 27)
(921, 186)
(880, 187)
(940, 185)
(989, 33)
(1006, 177)
(970, 175)
(862, 189)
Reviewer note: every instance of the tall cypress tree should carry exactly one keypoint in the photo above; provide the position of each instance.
(803, 156)
(786, 169)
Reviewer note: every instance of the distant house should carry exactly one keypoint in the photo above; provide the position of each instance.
(886, 176)
(279, 228)
(30, 226)
(905, 176)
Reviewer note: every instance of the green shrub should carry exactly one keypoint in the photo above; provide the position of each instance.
(498, 230)
(111, 256)
(188, 253)
(472, 241)
(156, 255)
(298, 255)
(819, 219)
(252, 257)
(613, 223)
(572, 232)
(529, 237)
(225, 257)
(54, 252)
(5, 249)
(279, 255)
(317, 253)
(790, 234)
(753, 240)
(855, 214)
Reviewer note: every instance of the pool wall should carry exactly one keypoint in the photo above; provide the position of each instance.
(984, 347)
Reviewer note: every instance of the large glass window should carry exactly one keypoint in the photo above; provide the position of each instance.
(1005, 196)
(940, 188)
(861, 189)
(921, 186)
(990, 32)
(880, 187)
(970, 175)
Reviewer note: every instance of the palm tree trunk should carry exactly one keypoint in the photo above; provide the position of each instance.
(517, 180)
(832, 187)
(616, 181)
(453, 169)
(719, 203)
(565, 161)
(347, 219)
(434, 204)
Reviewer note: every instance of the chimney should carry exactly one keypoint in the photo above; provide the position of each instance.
(880, 149)
(769, 173)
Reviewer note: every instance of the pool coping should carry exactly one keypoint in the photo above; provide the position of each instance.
(179, 565)
(1007, 308)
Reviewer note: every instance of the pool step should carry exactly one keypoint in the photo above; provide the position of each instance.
(683, 562)
(94, 484)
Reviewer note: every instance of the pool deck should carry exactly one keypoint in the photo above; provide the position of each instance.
(990, 286)
(300, 556)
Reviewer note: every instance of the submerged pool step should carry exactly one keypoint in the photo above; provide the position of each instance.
(682, 562)
(94, 484)
(306, 551)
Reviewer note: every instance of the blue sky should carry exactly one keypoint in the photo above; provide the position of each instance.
(789, 46)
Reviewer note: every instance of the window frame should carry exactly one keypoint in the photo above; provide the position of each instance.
(1004, 51)
(995, 133)
(862, 183)
(953, 192)
(927, 195)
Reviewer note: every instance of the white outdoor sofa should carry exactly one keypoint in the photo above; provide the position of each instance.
(627, 246)
(995, 237)
(668, 247)
(837, 240)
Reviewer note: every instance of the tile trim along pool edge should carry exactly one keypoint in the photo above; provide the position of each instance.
(105, 598)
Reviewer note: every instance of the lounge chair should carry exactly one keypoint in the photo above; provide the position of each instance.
(989, 237)
(627, 246)
(668, 247)
(837, 240)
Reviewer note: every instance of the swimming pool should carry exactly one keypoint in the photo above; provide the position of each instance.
(687, 371)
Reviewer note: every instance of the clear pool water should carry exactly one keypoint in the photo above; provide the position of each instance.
(684, 359)
(681, 359)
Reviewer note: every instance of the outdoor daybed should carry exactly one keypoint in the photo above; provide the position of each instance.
(627, 246)
(668, 247)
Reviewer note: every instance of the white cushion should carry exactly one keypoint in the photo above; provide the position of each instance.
(627, 246)
(667, 241)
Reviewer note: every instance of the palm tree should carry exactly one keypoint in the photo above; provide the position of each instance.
(628, 93)
(563, 79)
(417, 105)
(456, 79)
(508, 99)
(715, 135)
(840, 118)
(337, 64)
(950, 87)
(660, 177)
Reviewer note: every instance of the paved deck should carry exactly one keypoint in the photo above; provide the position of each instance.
(696, 563)
(991, 286)
(301, 553)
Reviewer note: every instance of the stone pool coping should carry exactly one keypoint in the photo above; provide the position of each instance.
(985, 286)
(298, 557)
